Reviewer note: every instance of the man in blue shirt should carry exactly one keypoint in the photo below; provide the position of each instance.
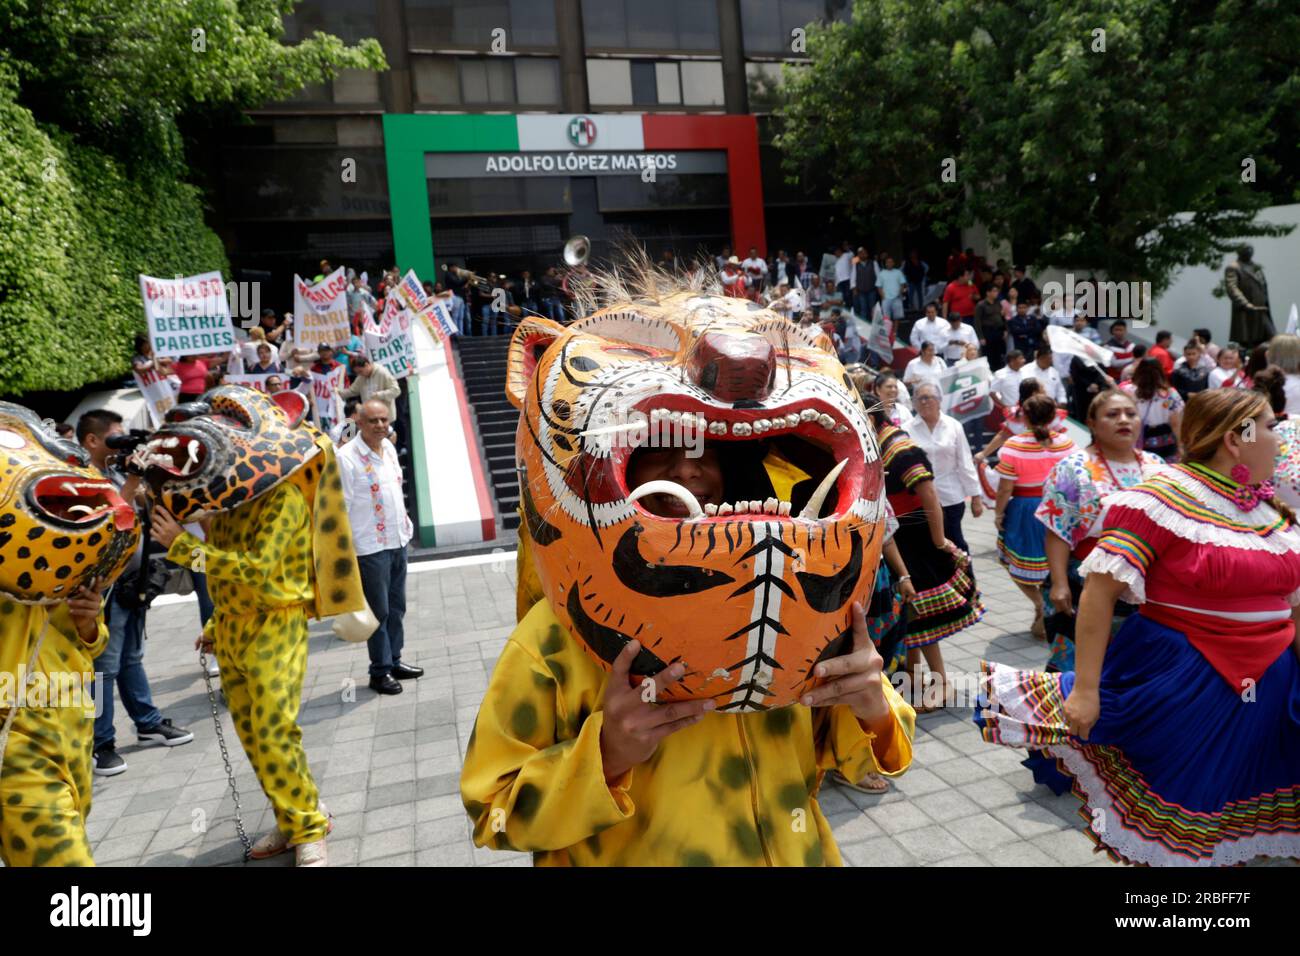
(890, 283)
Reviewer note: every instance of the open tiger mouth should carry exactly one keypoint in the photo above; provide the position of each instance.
(810, 438)
(178, 455)
(77, 502)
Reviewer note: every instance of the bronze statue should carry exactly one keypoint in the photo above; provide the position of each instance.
(1252, 323)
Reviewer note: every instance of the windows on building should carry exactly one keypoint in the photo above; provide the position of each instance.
(460, 25)
(662, 25)
(767, 26)
(613, 82)
(485, 82)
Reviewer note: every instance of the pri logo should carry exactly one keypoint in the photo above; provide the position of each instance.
(582, 131)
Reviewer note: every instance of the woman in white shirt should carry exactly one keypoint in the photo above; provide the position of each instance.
(944, 442)
(887, 389)
(1229, 373)
(926, 367)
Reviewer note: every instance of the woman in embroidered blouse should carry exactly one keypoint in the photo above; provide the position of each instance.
(1023, 466)
(1073, 506)
(1183, 733)
(1160, 408)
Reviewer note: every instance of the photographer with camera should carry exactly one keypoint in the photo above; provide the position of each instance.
(101, 433)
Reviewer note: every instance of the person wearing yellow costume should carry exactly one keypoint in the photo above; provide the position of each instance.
(713, 789)
(45, 786)
(271, 562)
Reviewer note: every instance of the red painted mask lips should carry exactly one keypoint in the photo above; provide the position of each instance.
(74, 501)
(830, 438)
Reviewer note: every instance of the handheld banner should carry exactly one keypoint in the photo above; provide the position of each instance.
(187, 315)
(965, 389)
(159, 395)
(320, 311)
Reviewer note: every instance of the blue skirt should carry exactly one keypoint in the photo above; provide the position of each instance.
(1180, 768)
(1021, 543)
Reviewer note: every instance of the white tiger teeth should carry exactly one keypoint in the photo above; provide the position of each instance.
(724, 509)
(742, 429)
(783, 508)
(718, 428)
(792, 420)
(711, 510)
(770, 506)
(808, 415)
(825, 420)
(841, 429)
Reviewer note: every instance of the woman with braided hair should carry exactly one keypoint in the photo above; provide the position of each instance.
(1182, 733)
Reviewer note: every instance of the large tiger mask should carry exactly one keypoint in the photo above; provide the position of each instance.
(750, 592)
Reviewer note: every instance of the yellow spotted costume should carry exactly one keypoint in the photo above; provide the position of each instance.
(45, 788)
(271, 564)
(734, 789)
(63, 526)
(278, 552)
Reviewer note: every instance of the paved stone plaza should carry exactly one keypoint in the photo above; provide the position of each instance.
(389, 767)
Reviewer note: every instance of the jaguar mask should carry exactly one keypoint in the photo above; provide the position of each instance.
(749, 591)
(227, 448)
(61, 522)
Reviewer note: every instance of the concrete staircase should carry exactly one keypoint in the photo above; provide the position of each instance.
(482, 361)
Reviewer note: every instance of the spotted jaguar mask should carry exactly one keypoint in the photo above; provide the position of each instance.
(61, 522)
(227, 448)
(749, 592)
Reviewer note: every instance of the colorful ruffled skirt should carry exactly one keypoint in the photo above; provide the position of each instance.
(947, 600)
(1180, 769)
(886, 620)
(1022, 545)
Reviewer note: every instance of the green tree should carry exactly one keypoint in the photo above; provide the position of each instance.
(1108, 134)
(96, 188)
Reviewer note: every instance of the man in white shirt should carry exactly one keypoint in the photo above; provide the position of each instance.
(930, 329)
(890, 285)
(960, 335)
(844, 273)
(1005, 387)
(372, 487)
(1043, 370)
(944, 443)
(755, 268)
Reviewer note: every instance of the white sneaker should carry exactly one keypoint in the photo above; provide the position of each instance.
(311, 854)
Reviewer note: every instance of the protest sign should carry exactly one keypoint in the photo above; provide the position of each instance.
(158, 391)
(320, 310)
(880, 339)
(187, 315)
(965, 390)
(394, 349)
(327, 404)
(411, 292)
(438, 313)
(249, 381)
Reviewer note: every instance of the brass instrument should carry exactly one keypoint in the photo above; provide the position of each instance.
(577, 251)
(474, 280)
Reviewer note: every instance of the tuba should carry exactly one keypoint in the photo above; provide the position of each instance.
(577, 251)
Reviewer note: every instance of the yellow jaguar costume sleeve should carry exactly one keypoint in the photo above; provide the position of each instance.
(46, 787)
(749, 594)
(735, 789)
(62, 525)
(278, 551)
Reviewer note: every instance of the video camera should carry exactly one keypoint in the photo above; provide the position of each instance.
(125, 444)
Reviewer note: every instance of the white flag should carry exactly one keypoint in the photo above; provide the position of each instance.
(1072, 343)
(1292, 320)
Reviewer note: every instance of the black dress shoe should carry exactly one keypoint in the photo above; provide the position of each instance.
(385, 685)
(406, 671)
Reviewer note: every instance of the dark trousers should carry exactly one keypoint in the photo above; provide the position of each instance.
(995, 350)
(952, 515)
(383, 579)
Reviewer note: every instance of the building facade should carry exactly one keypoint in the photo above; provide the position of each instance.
(320, 176)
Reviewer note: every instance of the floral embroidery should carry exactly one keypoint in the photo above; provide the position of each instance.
(1075, 492)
